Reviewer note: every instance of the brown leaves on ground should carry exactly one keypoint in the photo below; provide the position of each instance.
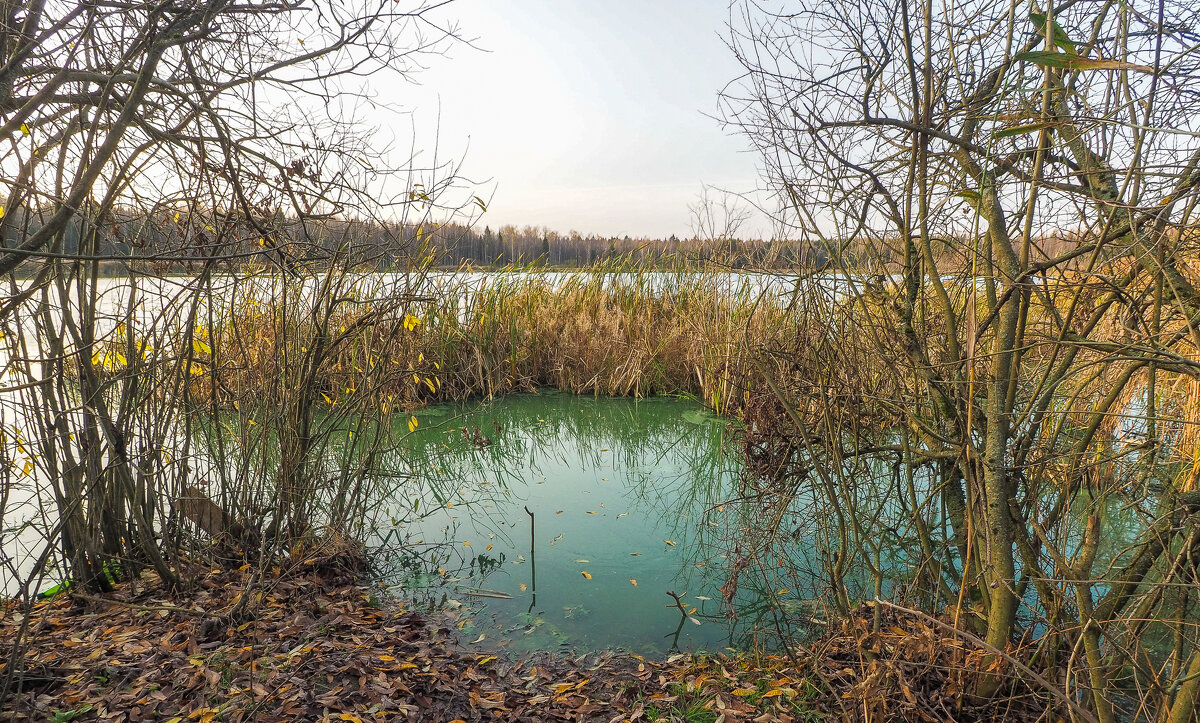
(315, 646)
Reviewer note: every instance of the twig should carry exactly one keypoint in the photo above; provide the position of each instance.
(148, 608)
(979, 642)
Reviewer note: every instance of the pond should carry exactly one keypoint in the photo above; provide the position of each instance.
(566, 522)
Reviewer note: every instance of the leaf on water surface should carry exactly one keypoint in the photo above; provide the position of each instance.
(633, 582)
(523, 588)
(694, 620)
(586, 574)
(592, 512)
(670, 542)
(701, 597)
(635, 554)
(623, 514)
(481, 638)
(581, 561)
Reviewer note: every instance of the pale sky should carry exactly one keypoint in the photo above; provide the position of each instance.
(586, 115)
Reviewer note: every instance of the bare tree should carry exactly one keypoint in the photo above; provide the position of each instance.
(1006, 193)
(210, 137)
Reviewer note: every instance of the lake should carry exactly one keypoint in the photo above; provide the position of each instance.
(628, 500)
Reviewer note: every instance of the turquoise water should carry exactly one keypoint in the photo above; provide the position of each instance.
(628, 500)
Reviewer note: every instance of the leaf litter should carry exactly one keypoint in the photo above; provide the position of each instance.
(317, 645)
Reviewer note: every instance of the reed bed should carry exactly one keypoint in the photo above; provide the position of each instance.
(616, 331)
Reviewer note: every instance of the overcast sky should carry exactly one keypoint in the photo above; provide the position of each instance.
(586, 115)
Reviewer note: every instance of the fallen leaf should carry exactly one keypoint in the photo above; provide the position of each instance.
(633, 582)
(669, 542)
(586, 574)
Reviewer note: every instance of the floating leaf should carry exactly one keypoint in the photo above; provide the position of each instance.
(670, 542)
(633, 582)
(623, 514)
(592, 512)
(581, 561)
(523, 587)
(694, 620)
(586, 574)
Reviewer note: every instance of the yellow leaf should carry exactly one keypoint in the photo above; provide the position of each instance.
(669, 542)
(744, 692)
(412, 424)
(25, 130)
(772, 693)
(466, 543)
(350, 717)
(487, 660)
(784, 591)
(633, 582)
(586, 574)
(386, 657)
(488, 547)
(523, 588)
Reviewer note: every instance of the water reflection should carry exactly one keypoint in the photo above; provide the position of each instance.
(625, 501)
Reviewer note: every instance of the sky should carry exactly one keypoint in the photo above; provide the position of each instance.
(589, 115)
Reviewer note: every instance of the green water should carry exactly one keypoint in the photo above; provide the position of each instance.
(622, 490)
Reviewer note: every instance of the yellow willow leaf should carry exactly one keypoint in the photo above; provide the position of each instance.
(488, 547)
(200, 347)
(386, 657)
(412, 424)
(523, 588)
(772, 693)
(1, 211)
(670, 542)
(466, 543)
(350, 717)
(416, 380)
(25, 130)
(429, 383)
(784, 591)
(586, 574)
(487, 660)
(633, 582)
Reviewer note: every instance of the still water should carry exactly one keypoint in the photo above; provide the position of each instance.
(564, 521)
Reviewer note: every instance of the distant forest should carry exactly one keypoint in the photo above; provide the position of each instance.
(179, 241)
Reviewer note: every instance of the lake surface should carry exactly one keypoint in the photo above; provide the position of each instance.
(628, 501)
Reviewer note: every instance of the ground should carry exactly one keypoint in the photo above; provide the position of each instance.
(314, 644)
